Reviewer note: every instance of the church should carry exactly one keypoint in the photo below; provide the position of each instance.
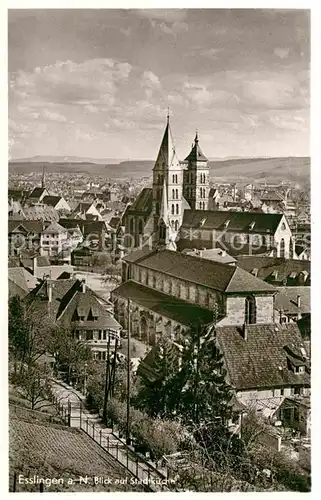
(157, 213)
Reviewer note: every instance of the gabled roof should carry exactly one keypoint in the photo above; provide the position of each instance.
(143, 202)
(196, 153)
(54, 228)
(85, 226)
(37, 192)
(221, 277)
(238, 221)
(26, 225)
(51, 200)
(86, 304)
(21, 277)
(260, 361)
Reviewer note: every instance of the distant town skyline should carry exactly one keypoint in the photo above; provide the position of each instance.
(97, 83)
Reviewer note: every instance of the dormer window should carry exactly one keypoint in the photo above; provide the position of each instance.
(255, 271)
(274, 275)
(226, 223)
(251, 227)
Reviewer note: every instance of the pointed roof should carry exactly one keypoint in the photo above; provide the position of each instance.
(196, 153)
(166, 154)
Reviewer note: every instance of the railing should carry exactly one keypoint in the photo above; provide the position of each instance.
(149, 477)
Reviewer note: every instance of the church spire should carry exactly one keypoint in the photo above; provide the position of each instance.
(43, 177)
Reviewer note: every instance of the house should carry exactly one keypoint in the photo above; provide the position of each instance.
(93, 231)
(87, 208)
(73, 306)
(293, 302)
(272, 202)
(276, 270)
(264, 361)
(55, 242)
(37, 195)
(57, 202)
(24, 235)
(239, 233)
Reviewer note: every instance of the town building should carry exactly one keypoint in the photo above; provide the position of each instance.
(239, 233)
(75, 307)
(166, 294)
(276, 270)
(55, 242)
(57, 202)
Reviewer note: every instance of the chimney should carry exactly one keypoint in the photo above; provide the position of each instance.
(223, 253)
(35, 265)
(298, 301)
(83, 286)
(244, 331)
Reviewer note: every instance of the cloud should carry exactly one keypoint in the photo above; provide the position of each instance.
(168, 15)
(67, 81)
(54, 117)
(282, 53)
(91, 108)
(151, 80)
(173, 29)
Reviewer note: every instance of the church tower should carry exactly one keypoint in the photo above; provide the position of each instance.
(167, 175)
(196, 178)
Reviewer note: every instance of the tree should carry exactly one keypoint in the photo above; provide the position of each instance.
(156, 381)
(34, 382)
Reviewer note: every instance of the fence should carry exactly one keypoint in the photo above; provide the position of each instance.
(147, 475)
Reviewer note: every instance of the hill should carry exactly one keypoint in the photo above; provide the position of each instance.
(295, 169)
(53, 451)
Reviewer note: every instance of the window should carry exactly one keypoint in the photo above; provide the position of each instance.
(173, 209)
(282, 248)
(173, 178)
(250, 310)
(176, 225)
(177, 209)
(176, 194)
(140, 226)
(173, 193)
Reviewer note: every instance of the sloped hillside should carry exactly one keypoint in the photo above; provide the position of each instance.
(53, 451)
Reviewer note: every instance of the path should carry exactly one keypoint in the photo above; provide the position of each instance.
(74, 402)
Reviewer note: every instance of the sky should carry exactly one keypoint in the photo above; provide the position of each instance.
(97, 83)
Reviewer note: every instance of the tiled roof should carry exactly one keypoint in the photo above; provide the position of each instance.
(22, 278)
(287, 296)
(196, 153)
(86, 303)
(238, 221)
(221, 277)
(30, 226)
(15, 290)
(178, 310)
(143, 202)
(86, 226)
(261, 361)
(51, 200)
(271, 196)
(288, 270)
(138, 255)
(54, 228)
(37, 192)
(114, 222)
(45, 213)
